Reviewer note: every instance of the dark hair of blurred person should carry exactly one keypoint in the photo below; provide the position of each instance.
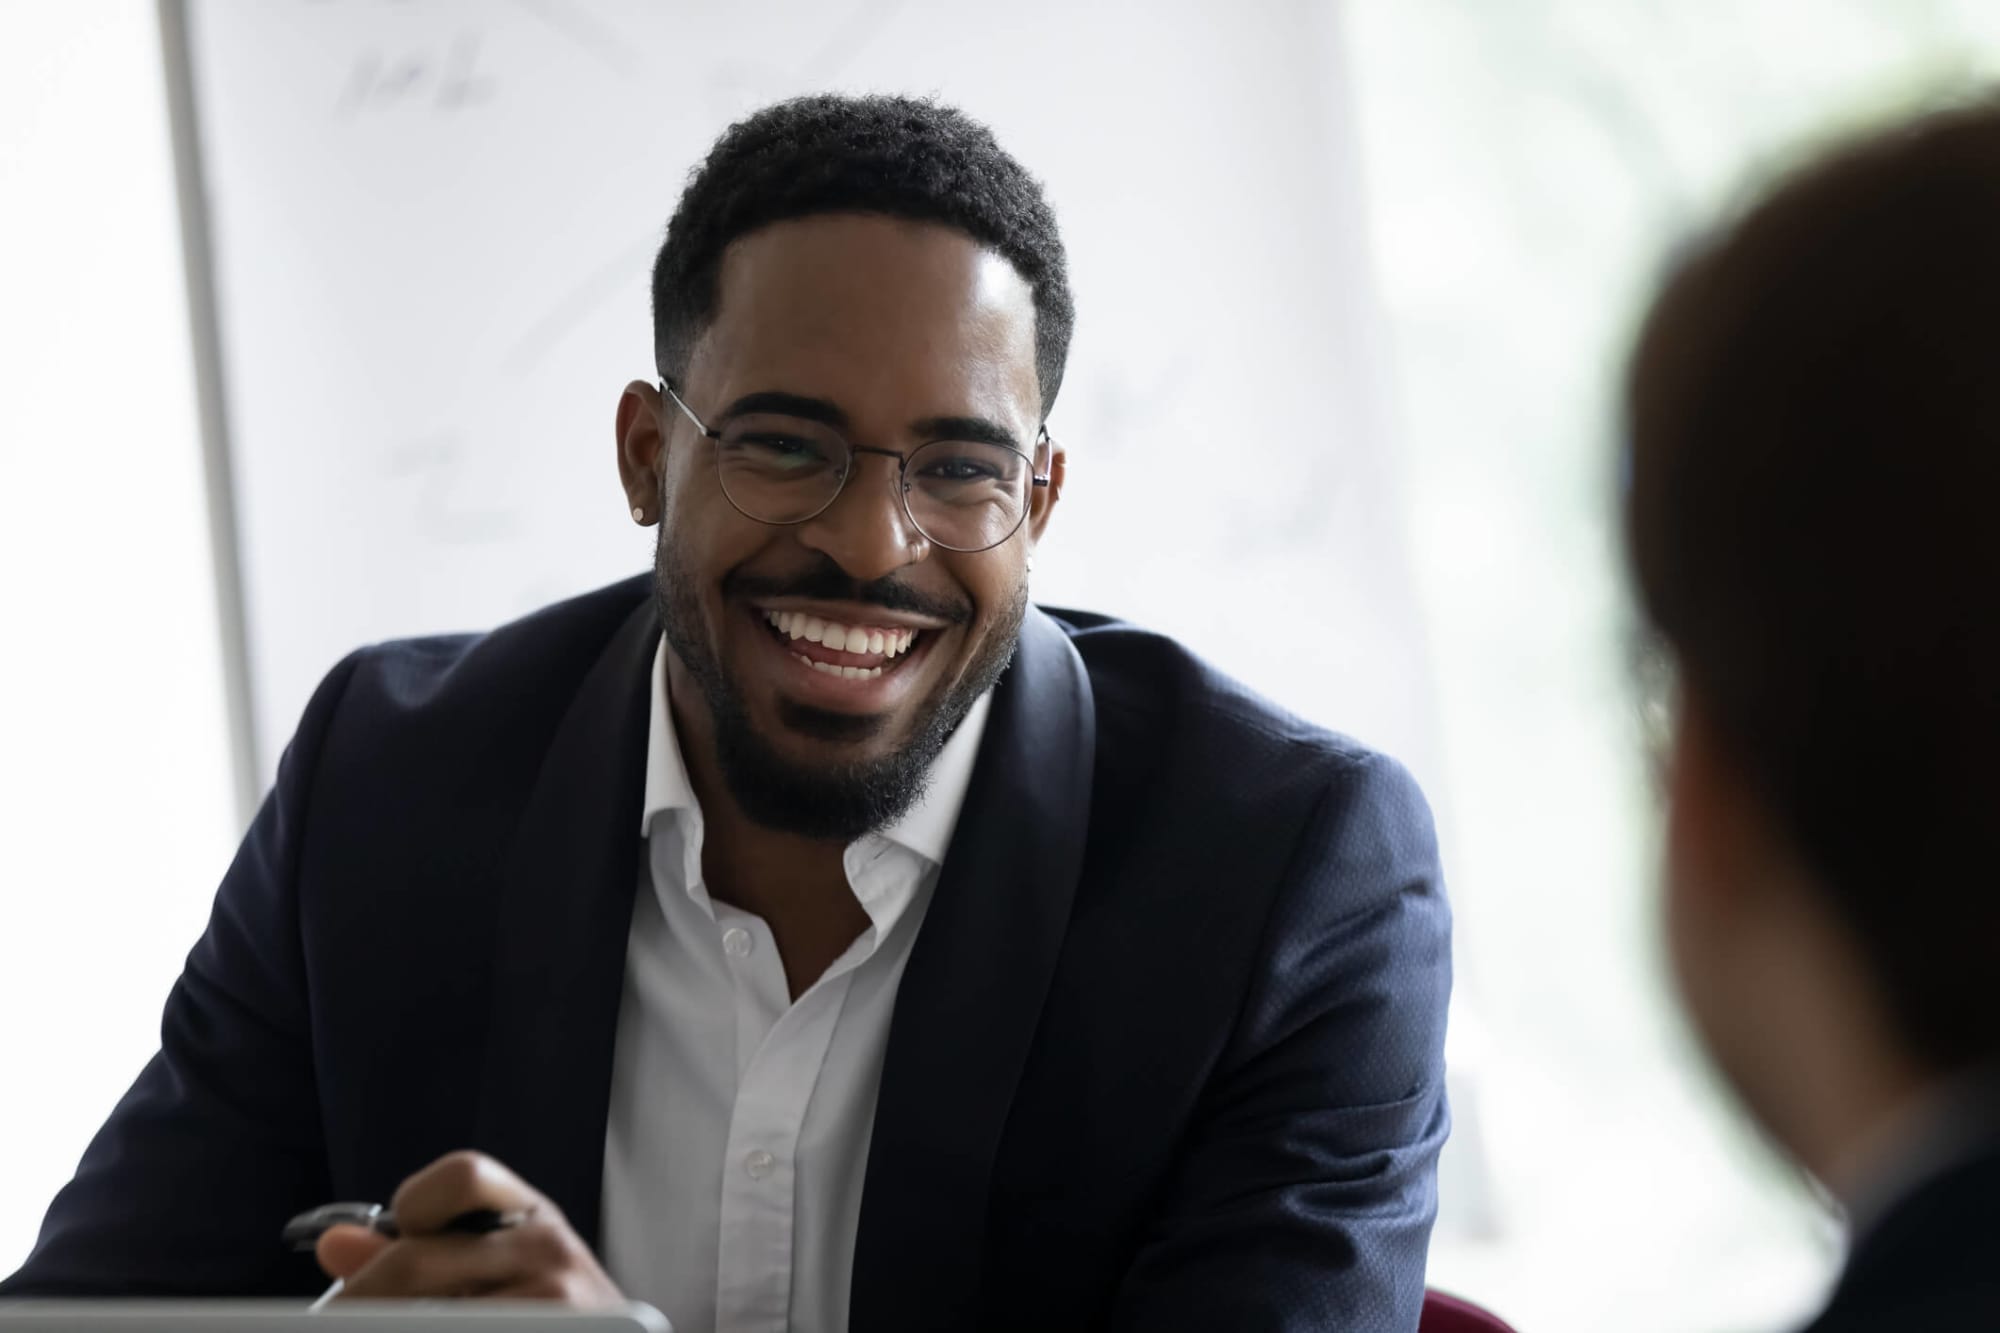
(1814, 427)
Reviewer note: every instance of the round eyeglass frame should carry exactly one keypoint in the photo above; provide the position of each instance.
(1037, 468)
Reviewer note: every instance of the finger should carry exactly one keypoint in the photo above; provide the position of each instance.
(459, 1183)
(345, 1250)
(558, 1266)
(461, 1265)
(566, 1288)
(433, 1268)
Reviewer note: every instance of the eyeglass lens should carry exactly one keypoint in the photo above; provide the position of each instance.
(961, 494)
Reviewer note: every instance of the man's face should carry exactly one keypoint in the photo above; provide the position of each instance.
(833, 657)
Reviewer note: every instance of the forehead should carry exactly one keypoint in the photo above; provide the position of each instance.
(892, 320)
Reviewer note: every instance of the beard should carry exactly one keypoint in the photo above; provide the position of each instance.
(843, 799)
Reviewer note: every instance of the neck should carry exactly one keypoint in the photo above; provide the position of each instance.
(1867, 1139)
(797, 885)
(1835, 1079)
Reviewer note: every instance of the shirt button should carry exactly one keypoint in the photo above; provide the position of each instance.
(759, 1163)
(738, 942)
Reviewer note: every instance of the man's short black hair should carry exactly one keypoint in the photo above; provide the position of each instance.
(898, 156)
(1814, 521)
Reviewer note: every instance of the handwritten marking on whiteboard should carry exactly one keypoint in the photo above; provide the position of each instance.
(433, 466)
(579, 25)
(429, 78)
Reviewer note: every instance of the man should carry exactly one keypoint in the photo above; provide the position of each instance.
(1815, 461)
(813, 934)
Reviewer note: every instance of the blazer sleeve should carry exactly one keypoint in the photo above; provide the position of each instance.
(185, 1189)
(1306, 1194)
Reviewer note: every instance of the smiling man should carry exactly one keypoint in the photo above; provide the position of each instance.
(812, 934)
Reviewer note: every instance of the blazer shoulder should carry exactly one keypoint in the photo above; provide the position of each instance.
(538, 657)
(1158, 698)
(459, 713)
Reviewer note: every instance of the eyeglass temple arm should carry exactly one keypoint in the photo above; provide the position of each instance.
(688, 412)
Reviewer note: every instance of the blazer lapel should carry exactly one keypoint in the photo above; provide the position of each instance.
(565, 914)
(972, 994)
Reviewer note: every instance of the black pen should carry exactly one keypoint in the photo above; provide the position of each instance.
(302, 1233)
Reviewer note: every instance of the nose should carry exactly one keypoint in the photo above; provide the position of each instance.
(866, 530)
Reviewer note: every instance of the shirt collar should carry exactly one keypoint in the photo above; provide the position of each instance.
(667, 785)
(926, 828)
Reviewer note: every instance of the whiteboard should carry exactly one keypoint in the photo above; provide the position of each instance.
(432, 226)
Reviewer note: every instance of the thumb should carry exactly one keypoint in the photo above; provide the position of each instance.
(345, 1250)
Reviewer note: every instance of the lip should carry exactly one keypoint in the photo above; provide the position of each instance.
(802, 684)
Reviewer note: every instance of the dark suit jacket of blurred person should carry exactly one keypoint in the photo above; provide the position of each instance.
(1931, 1263)
(1168, 1051)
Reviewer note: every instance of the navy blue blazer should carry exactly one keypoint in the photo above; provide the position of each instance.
(1168, 1051)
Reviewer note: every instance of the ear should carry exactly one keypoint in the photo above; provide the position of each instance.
(1719, 849)
(1042, 502)
(641, 450)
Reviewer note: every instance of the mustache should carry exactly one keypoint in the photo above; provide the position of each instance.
(828, 582)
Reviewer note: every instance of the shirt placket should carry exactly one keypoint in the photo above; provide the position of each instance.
(774, 1090)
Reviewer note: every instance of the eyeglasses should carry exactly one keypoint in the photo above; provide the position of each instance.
(962, 495)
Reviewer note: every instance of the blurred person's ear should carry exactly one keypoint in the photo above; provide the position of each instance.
(1712, 837)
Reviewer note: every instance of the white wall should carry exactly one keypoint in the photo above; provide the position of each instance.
(115, 809)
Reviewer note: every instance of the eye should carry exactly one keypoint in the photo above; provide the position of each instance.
(780, 444)
(779, 450)
(960, 469)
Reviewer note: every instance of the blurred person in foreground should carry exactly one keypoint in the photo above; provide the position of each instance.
(1814, 521)
(812, 932)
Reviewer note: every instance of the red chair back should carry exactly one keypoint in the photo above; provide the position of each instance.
(1449, 1314)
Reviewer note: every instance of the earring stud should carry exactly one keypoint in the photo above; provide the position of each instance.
(638, 514)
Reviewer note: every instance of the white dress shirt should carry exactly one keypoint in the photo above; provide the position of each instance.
(740, 1119)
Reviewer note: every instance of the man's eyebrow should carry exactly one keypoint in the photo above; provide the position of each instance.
(977, 430)
(973, 430)
(787, 405)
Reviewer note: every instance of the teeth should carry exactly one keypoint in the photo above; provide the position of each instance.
(890, 643)
(845, 673)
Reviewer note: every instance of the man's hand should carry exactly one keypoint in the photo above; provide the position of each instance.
(540, 1258)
